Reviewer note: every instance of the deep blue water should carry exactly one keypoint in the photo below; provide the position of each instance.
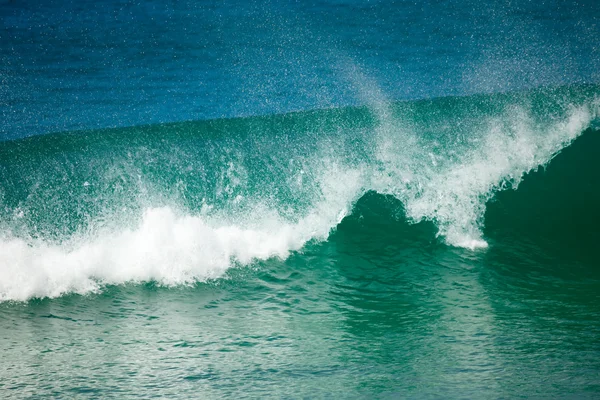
(68, 65)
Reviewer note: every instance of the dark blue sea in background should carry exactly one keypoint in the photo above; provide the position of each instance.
(300, 199)
(82, 65)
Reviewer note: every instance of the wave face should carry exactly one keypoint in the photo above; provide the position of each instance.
(180, 203)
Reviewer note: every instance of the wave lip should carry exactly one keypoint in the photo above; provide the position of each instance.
(453, 191)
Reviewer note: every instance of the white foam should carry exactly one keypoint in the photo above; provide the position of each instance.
(168, 248)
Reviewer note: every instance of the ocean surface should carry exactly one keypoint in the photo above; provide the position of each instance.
(300, 199)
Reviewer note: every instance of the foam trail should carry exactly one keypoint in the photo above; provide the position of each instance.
(168, 248)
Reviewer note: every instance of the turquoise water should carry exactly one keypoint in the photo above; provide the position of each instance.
(324, 200)
(402, 250)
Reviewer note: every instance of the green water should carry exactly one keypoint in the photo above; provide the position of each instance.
(406, 250)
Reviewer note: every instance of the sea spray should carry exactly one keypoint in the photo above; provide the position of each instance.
(448, 180)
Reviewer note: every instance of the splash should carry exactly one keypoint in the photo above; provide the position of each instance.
(450, 182)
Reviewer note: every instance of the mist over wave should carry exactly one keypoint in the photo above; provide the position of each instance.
(181, 203)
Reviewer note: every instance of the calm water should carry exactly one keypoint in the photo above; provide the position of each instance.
(299, 200)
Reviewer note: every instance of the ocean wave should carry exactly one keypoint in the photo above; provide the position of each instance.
(182, 203)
